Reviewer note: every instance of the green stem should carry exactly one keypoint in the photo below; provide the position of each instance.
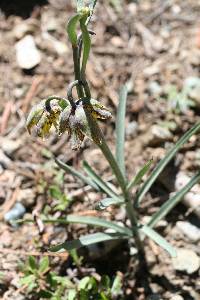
(86, 46)
(77, 73)
(96, 132)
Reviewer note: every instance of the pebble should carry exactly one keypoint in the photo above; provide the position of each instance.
(15, 213)
(28, 56)
(158, 134)
(26, 197)
(9, 146)
(132, 7)
(189, 230)
(20, 30)
(177, 297)
(131, 129)
(155, 88)
(186, 260)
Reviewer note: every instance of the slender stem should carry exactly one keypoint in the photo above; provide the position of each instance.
(86, 44)
(77, 73)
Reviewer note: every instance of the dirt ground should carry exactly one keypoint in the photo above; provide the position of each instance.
(155, 47)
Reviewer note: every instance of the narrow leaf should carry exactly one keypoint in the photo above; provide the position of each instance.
(88, 240)
(104, 203)
(138, 177)
(77, 174)
(157, 238)
(97, 179)
(32, 263)
(91, 221)
(173, 201)
(161, 165)
(120, 128)
(44, 265)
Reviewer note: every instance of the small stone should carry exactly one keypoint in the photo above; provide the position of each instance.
(132, 7)
(9, 146)
(186, 261)
(131, 129)
(117, 42)
(28, 56)
(15, 213)
(161, 223)
(20, 30)
(158, 134)
(26, 197)
(189, 230)
(177, 297)
(155, 88)
(161, 133)
(60, 47)
(133, 251)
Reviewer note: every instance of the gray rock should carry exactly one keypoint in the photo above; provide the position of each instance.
(28, 56)
(189, 230)
(15, 213)
(186, 260)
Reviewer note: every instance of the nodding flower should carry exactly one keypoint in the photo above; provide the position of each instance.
(74, 121)
(43, 116)
(65, 118)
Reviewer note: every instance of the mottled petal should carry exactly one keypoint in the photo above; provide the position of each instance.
(64, 120)
(76, 138)
(101, 111)
(35, 115)
(43, 126)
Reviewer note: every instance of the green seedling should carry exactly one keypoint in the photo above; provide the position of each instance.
(38, 280)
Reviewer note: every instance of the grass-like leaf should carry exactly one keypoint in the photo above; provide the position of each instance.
(173, 201)
(88, 240)
(77, 174)
(161, 165)
(120, 128)
(157, 238)
(138, 177)
(104, 203)
(91, 221)
(102, 184)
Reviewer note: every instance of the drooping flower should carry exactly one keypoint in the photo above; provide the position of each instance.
(43, 116)
(74, 121)
(66, 118)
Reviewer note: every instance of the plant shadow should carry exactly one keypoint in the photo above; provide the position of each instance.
(22, 8)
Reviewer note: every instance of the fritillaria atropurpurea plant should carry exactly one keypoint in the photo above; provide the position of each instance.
(79, 119)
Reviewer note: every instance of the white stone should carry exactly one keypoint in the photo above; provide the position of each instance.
(186, 260)
(28, 56)
(189, 230)
(177, 297)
